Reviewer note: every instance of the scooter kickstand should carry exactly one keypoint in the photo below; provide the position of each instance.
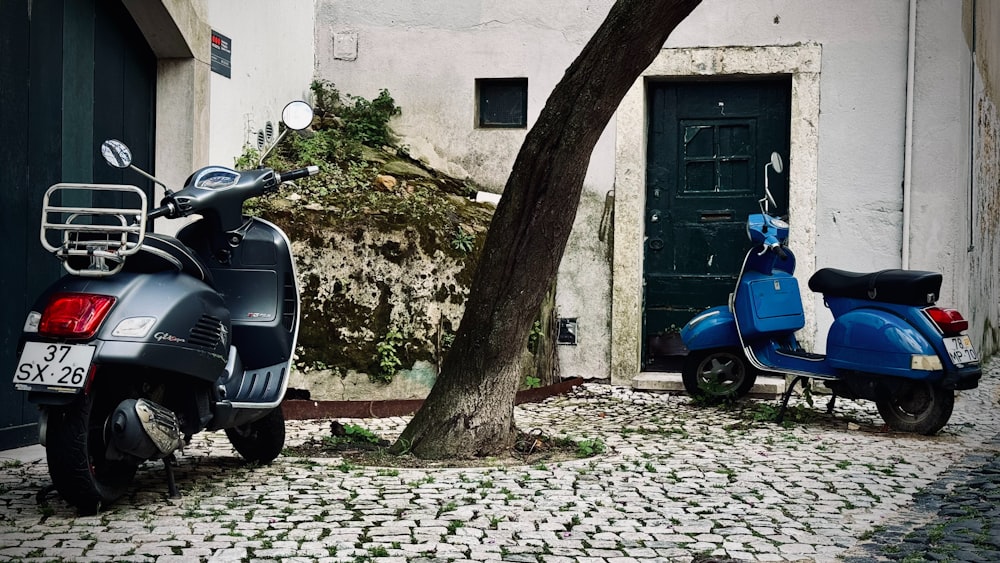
(784, 398)
(168, 464)
(831, 403)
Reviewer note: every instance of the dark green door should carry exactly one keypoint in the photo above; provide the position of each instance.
(71, 74)
(708, 143)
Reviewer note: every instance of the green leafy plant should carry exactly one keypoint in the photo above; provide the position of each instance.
(353, 434)
(463, 241)
(534, 336)
(590, 447)
(368, 120)
(387, 358)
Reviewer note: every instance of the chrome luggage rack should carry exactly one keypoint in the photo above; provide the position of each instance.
(93, 241)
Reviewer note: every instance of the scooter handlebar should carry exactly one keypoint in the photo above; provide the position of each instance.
(775, 246)
(296, 174)
(162, 211)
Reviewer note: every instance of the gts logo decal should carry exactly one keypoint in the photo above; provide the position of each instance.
(166, 336)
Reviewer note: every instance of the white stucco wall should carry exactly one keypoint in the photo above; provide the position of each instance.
(429, 54)
(941, 219)
(272, 64)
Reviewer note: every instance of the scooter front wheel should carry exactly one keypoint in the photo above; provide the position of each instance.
(76, 452)
(718, 374)
(260, 441)
(915, 406)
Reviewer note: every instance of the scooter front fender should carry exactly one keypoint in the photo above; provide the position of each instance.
(712, 328)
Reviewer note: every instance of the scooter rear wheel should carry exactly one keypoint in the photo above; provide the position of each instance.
(75, 452)
(718, 374)
(260, 441)
(916, 406)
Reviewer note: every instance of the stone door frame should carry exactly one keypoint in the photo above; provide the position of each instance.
(802, 63)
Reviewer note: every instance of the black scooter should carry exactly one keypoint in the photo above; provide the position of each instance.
(150, 339)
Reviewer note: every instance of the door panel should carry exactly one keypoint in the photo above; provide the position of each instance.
(74, 73)
(707, 146)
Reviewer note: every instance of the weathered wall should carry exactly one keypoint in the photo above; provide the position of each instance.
(429, 55)
(941, 213)
(983, 33)
(272, 64)
(361, 279)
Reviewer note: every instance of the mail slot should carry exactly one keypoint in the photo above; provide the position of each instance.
(715, 216)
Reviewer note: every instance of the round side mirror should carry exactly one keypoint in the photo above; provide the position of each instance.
(297, 115)
(116, 153)
(777, 163)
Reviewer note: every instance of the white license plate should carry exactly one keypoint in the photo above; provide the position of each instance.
(960, 349)
(44, 365)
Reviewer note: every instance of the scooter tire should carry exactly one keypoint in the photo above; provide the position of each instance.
(718, 374)
(917, 407)
(75, 452)
(262, 440)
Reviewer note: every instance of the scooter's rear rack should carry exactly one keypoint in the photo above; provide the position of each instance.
(92, 241)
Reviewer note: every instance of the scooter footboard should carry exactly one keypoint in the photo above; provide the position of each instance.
(878, 341)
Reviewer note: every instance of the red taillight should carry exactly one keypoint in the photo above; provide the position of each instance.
(949, 321)
(74, 315)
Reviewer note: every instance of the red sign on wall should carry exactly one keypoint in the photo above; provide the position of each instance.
(222, 52)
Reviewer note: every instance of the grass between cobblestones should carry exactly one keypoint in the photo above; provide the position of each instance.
(676, 482)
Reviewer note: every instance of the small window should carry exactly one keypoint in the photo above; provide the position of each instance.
(503, 102)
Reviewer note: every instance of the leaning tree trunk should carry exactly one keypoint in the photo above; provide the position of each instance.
(470, 410)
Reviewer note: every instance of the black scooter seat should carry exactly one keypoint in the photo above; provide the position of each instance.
(902, 287)
(161, 252)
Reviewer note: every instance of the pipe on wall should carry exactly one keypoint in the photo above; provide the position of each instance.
(911, 48)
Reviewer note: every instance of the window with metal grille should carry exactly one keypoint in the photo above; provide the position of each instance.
(502, 102)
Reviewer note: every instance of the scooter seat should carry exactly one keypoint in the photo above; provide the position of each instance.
(161, 252)
(903, 287)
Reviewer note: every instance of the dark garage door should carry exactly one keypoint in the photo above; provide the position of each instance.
(71, 75)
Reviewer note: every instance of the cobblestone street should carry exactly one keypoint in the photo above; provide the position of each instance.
(677, 481)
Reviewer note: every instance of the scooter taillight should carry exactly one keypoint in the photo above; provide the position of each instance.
(949, 321)
(74, 315)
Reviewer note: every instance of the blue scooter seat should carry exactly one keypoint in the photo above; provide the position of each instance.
(903, 287)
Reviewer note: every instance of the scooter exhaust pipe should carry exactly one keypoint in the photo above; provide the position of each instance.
(142, 429)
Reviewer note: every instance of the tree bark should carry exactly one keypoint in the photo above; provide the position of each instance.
(470, 410)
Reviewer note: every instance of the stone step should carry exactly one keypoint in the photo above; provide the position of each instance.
(764, 387)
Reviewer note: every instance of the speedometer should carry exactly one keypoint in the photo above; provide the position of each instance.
(213, 178)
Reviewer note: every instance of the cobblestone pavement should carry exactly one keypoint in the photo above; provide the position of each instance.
(677, 482)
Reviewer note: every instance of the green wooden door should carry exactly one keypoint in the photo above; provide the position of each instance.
(71, 74)
(708, 143)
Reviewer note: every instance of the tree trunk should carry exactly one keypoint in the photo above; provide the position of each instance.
(470, 410)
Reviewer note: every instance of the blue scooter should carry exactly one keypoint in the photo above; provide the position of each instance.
(889, 343)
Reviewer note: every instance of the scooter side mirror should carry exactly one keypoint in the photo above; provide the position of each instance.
(116, 153)
(778, 166)
(297, 115)
(777, 163)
